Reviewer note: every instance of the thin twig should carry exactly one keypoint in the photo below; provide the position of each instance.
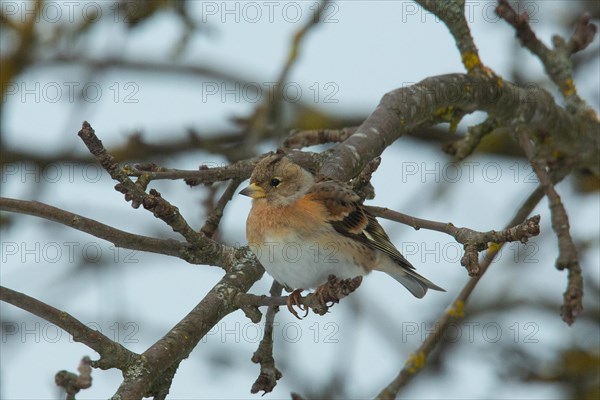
(213, 219)
(112, 354)
(204, 175)
(294, 51)
(73, 383)
(361, 185)
(268, 114)
(557, 63)
(567, 256)
(116, 236)
(455, 310)
(151, 201)
(269, 374)
(320, 301)
(452, 13)
(473, 241)
(464, 147)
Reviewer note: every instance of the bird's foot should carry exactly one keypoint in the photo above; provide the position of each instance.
(294, 300)
(332, 291)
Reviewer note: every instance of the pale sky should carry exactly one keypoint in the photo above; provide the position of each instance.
(363, 51)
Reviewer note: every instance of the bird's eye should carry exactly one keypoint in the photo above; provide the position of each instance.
(275, 182)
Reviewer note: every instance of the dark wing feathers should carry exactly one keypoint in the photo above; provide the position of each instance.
(349, 217)
(381, 241)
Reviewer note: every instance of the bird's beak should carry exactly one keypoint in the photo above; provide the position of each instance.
(254, 191)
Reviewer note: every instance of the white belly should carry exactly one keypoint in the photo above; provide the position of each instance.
(301, 264)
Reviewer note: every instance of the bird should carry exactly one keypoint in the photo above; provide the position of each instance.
(303, 229)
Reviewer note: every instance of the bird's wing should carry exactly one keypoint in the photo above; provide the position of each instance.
(351, 219)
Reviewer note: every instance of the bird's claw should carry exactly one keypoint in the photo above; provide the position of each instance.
(294, 300)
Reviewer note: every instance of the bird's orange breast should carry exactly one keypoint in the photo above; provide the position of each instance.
(303, 217)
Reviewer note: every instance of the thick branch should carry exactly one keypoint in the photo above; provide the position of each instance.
(407, 108)
(176, 345)
(298, 139)
(361, 185)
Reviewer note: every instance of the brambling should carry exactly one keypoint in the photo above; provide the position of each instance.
(302, 231)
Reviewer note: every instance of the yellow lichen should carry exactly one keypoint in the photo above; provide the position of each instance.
(415, 362)
(454, 124)
(569, 88)
(446, 113)
(499, 81)
(457, 310)
(492, 249)
(471, 60)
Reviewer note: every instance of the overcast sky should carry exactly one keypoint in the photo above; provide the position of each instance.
(362, 50)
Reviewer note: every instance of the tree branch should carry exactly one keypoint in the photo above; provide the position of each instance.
(118, 237)
(464, 147)
(320, 301)
(269, 374)
(298, 139)
(214, 218)
(556, 62)
(473, 241)
(452, 13)
(240, 170)
(567, 256)
(176, 345)
(152, 201)
(415, 106)
(73, 383)
(112, 354)
(455, 310)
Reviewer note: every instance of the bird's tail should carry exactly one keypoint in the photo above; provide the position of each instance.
(415, 283)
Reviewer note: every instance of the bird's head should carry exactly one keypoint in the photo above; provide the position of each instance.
(278, 180)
